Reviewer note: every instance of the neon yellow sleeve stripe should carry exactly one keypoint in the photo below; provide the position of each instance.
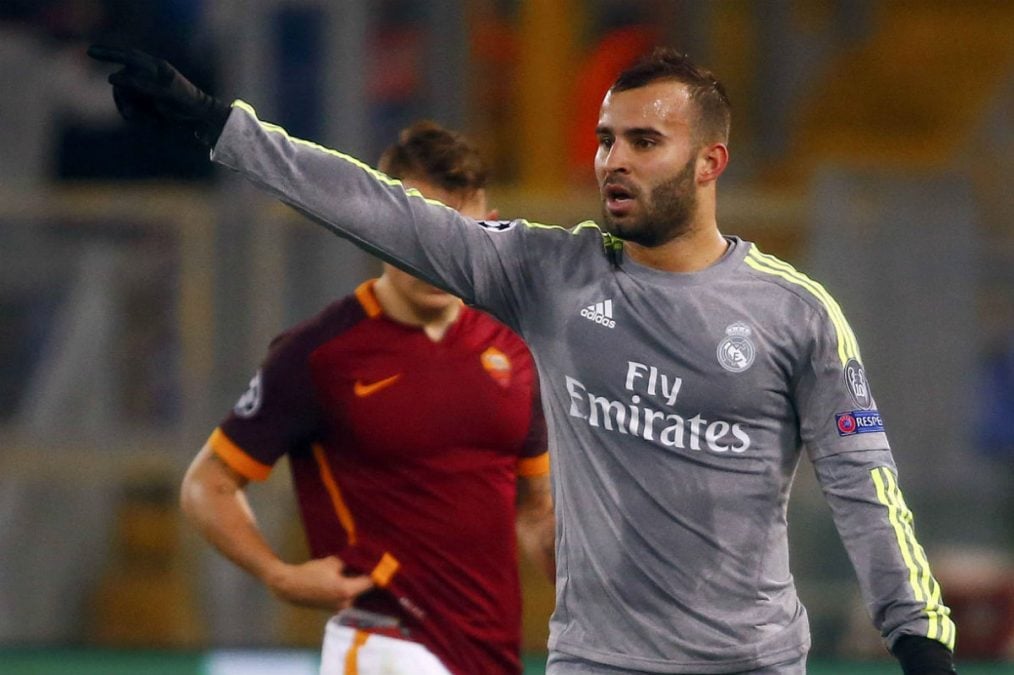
(609, 240)
(924, 586)
(379, 175)
(834, 309)
(848, 347)
(387, 180)
(540, 226)
(573, 230)
(274, 128)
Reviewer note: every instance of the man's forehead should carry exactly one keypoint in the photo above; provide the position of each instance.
(660, 103)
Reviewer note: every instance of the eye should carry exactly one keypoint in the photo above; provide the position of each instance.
(606, 142)
(644, 143)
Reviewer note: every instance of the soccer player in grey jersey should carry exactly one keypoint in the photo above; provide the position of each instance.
(683, 374)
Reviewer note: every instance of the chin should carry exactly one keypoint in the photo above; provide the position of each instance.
(612, 227)
(625, 230)
(436, 300)
(440, 301)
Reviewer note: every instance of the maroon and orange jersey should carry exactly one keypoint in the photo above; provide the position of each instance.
(404, 454)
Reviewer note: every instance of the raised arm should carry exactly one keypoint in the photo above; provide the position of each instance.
(423, 237)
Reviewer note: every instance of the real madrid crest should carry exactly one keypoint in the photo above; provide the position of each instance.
(736, 351)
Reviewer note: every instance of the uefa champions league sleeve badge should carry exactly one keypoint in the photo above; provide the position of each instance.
(855, 382)
(250, 402)
(736, 351)
(864, 420)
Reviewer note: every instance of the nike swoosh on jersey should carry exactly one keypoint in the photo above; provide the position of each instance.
(362, 390)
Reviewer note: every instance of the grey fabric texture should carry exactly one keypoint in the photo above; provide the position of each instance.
(678, 406)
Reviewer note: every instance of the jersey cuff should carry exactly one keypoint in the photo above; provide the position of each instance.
(238, 461)
(534, 466)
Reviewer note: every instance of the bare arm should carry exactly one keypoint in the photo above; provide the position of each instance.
(212, 498)
(536, 523)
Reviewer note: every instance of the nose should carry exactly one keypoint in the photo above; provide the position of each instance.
(613, 159)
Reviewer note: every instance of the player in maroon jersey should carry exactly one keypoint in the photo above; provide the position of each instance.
(415, 438)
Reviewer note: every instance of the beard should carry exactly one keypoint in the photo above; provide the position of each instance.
(667, 214)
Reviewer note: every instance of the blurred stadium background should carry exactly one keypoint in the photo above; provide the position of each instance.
(872, 145)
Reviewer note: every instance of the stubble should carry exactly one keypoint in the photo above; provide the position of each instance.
(668, 214)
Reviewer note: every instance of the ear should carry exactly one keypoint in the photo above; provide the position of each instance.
(494, 214)
(711, 162)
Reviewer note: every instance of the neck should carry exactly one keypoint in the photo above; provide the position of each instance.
(433, 321)
(695, 250)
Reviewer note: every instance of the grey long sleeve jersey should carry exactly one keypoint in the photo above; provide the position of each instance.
(677, 405)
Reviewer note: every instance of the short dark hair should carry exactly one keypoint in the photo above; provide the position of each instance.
(714, 112)
(428, 151)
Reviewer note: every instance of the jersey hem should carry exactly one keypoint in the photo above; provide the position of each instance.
(666, 666)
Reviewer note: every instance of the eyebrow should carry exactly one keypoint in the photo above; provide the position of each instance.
(633, 131)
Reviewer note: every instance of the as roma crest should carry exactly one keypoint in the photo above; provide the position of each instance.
(496, 363)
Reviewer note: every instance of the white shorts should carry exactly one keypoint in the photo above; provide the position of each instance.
(350, 651)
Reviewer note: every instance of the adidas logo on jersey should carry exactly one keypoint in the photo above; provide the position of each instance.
(600, 313)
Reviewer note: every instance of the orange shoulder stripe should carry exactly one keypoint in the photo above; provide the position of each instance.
(534, 466)
(236, 458)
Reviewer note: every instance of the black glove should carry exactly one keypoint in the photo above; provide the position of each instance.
(148, 88)
(922, 656)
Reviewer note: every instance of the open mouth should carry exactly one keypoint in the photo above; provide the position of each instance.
(618, 198)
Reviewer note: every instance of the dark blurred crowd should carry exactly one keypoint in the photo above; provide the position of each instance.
(59, 122)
